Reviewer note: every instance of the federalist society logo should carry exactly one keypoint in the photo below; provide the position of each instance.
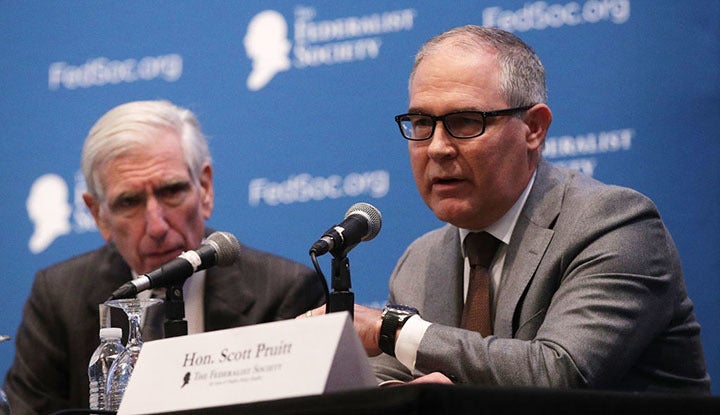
(316, 42)
(52, 213)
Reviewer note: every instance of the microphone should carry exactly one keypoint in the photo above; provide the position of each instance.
(362, 223)
(220, 248)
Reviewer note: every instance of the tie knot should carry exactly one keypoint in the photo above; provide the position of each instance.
(480, 248)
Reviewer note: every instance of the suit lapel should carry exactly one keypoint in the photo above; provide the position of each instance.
(529, 241)
(521, 263)
(226, 304)
(153, 324)
(444, 284)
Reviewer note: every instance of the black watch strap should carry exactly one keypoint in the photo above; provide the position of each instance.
(393, 318)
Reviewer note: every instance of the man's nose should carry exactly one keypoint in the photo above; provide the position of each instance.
(156, 221)
(442, 144)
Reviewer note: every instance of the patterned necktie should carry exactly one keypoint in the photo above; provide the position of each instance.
(480, 248)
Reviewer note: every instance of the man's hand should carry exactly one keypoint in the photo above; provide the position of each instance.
(367, 324)
(434, 377)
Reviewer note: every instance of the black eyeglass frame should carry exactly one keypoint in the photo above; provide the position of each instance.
(435, 119)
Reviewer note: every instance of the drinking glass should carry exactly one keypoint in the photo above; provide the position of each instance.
(122, 368)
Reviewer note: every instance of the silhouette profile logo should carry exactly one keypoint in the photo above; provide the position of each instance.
(267, 45)
(186, 380)
(49, 210)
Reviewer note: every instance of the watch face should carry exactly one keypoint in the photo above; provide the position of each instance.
(401, 309)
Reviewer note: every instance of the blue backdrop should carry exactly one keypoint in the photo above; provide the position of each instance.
(297, 99)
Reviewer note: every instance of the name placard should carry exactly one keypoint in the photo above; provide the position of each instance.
(268, 361)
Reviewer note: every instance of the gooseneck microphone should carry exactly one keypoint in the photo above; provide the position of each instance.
(362, 223)
(220, 248)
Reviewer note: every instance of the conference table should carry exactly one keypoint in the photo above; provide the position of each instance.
(460, 399)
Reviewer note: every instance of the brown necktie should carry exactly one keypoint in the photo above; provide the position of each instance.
(480, 248)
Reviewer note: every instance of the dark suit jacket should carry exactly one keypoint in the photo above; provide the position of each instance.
(591, 295)
(59, 330)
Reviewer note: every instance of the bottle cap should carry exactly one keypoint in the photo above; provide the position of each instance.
(110, 333)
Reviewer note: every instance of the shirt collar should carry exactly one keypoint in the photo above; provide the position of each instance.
(503, 228)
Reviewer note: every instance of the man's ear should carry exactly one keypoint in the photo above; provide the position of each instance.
(207, 196)
(93, 205)
(538, 119)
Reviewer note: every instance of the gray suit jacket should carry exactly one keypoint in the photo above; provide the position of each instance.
(591, 295)
(59, 330)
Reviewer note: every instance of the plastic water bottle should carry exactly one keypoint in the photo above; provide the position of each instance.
(100, 362)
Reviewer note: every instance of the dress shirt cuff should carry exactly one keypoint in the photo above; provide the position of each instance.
(408, 341)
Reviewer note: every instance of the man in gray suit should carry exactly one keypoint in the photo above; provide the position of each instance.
(585, 289)
(149, 177)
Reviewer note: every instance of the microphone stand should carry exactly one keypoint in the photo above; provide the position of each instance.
(341, 298)
(175, 323)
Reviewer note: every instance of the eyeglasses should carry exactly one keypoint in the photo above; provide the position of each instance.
(460, 124)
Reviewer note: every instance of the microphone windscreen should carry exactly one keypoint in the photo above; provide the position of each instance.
(373, 216)
(227, 247)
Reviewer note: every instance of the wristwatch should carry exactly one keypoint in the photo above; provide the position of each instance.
(393, 317)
